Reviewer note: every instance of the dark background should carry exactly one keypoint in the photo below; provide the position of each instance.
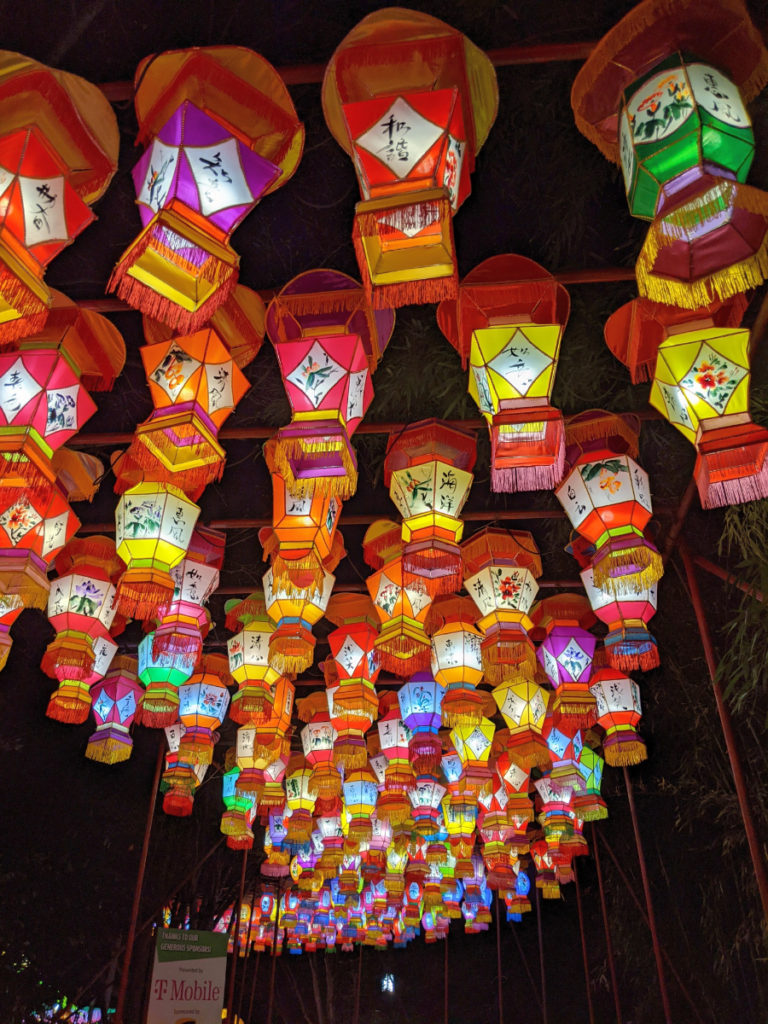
(72, 829)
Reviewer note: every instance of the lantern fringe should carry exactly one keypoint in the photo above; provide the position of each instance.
(70, 711)
(463, 713)
(178, 803)
(32, 309)
(190, 479)
(194, 752)
(33, 595)
(629, 655)
(733, 475)
(290, 655)
(510, 479)
(417, 569)
(289, 448)
(403, 655)
(584, 428)
(293, 575)
(64, 652)
(251, 708)
(324, 782)
(360, 830)
(595, 810)
(354, 705)
(141, 296)
(624, 748)
(156, 712)
(398, 778)
(405, 293)
(500, 657)
(252, 607)
(529, 753)
(240, 842)
(576, 710)
(141, 598)
(186, 647)
(732, 280)
(298, 828)
(30, 478)
(349, 755)
(641, 17)
(606, 562)
(425, 753)
(108, 750)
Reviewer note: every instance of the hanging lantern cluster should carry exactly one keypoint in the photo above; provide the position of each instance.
(58, 153)
(328, 342)
(700, 375)
(664, 94)
(508, 322)
(411, 100)
(221, 132)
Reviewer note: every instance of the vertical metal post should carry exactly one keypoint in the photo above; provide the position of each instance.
(498, 957)
(606, 926)
(648, 899)
(584, 956)
(129, 942)
(236, 939)
(253, 986)
(445, 979)
(544, 1016)
(271, 999)
(359, 981)
(758, 861)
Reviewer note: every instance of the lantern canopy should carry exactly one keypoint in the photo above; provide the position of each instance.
(508, 321)
(412, 101)
(663, 94)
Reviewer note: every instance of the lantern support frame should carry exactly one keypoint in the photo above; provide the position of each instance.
(606, 925)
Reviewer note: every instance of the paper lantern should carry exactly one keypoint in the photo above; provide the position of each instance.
(292, 644)
(618, 712)
(523, 706)
(394, 738)
(248, 652)
(115, 700)
(500, 571)
(607, 499)
(184, 623)
(628, 644)
(426, 795)
(71, 702)
(420, 701)
(162, 674)
(328, 341)
(222, 132)
(317, 739)
(203, 703)
(456, 659)
(566, 653)
(153, 529)
(81, 605)
(428, 471)
(472, 743)
(238, 816)
(58, 153)
(508, 322)
(397, 97)
(360, 794)
(701, 385)
(587, 801)
(273, 730)
(303, 541)
(516, 781)
(38, 526)
(300, 800)
(402, 645)
(663, 94)
(195, 384)
(179, 782)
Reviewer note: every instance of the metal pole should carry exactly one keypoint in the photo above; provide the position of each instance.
(130, 940)
(541, 958)
(606, 926)
(248, 957)
(253, 986)
(584, 956)
(236, 939)
(642, 913)
(524, 961)
(758, 862)
(271, 998)
(498, 957)
(648, 898)
(359, 980)
(445, 979)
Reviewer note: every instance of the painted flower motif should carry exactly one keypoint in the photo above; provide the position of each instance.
(608, 482)
(509, 588)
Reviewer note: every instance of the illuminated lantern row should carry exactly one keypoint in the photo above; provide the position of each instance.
(664, 94)
(115, 702)
(221, 132)
(428, 469)
(508, 323)
(607, 498)
(500, 572)
(411, 100)
(195, 384)
(566, 653)
(58, 153)
(184, 623)
(701, 385)
(328, 341)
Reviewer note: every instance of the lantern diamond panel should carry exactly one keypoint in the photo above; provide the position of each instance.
(618, 712)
